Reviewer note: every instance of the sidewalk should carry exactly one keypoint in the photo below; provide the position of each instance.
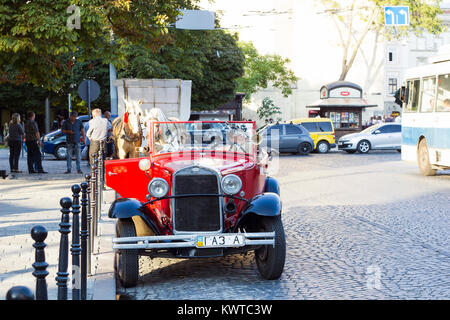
(34, 200)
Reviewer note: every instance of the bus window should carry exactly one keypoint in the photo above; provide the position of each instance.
(428, 94)
(443, 93)
(413, 100)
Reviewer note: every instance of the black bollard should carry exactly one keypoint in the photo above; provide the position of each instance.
(89, 223)
(39, 234)
(62, 274)
(84, 236)
(76, 248)
(96, 193)
(19, 293)
(100, 181)
(94, 199)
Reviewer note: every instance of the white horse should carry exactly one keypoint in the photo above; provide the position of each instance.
(166, 134)
(127, 131)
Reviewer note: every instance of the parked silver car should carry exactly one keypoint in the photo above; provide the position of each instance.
(383, 136)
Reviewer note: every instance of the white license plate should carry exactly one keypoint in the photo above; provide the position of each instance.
(223, 240)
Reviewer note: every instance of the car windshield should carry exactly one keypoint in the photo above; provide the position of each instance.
(371, 128)
(177, 136)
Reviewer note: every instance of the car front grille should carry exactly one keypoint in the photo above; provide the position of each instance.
(196, 214)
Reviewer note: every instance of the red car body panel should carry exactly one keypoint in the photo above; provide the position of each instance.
(125, 177)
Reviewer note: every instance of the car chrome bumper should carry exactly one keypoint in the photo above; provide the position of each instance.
(189, 241)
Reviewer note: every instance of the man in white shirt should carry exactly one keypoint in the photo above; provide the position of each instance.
(97, 132)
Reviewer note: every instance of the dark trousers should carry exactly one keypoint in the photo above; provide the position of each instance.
(109, 147)
(94, 147)
(34, 160)
(14, 154)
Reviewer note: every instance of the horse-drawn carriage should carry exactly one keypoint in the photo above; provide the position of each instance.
(202, 191)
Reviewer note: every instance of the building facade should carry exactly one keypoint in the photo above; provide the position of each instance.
(304, 33)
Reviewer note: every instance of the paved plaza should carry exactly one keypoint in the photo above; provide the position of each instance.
(357, 227)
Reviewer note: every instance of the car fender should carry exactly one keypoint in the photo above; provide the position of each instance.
(267, 204)
(127, 208)
(271, 185)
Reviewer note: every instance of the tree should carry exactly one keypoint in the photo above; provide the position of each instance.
(211, 59)
(354, 21)
(264, 70)
(35, 36)
(24, 97)
(268, 110)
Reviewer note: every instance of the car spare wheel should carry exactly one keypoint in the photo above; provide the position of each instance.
(127, 260)
(269, 259)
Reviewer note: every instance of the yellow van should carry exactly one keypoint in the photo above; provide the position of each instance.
(321, 131)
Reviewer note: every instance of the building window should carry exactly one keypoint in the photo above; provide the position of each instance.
(391, 57)
(392, 86)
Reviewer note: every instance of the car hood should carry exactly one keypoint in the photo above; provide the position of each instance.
(353, 136)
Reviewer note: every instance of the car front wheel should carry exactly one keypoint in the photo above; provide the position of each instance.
(127, 260)
(363, 146)
(270, 259)
(60, 152)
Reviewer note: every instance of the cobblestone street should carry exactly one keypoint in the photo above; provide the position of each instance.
(357, 227)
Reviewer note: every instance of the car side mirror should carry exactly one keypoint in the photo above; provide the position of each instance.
(377, 132)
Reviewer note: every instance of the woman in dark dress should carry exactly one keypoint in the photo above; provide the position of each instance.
(15, 141)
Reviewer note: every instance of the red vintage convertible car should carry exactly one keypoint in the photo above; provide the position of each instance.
(203, 191)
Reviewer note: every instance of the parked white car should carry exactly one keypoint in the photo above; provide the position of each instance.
(383, 136)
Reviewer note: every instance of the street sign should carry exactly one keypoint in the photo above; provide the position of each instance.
(195, 20)
(89, 90)
(396, 16)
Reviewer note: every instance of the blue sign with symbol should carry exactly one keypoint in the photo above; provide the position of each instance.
(396, 16)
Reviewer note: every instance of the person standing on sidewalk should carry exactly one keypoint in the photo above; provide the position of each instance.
(98, 131)
(33, 141)
(15, 140)
(73, 128)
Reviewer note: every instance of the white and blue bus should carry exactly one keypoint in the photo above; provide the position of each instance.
(426, 116)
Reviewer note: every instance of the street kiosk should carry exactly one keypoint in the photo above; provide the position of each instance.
(343, 103)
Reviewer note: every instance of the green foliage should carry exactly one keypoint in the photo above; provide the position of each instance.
(268, 110)
(211, 59)
(36, 44)
(264, 70)
(25, 97)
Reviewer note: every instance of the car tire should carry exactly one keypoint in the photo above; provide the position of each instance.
(304, 148)
(423, 159)
(350, 151)
(363, 146)
(60, 152)
(127, 260)
(269, 259)
(323, 147)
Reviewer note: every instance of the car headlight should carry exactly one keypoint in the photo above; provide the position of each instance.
(231, 184)
(158, 188)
